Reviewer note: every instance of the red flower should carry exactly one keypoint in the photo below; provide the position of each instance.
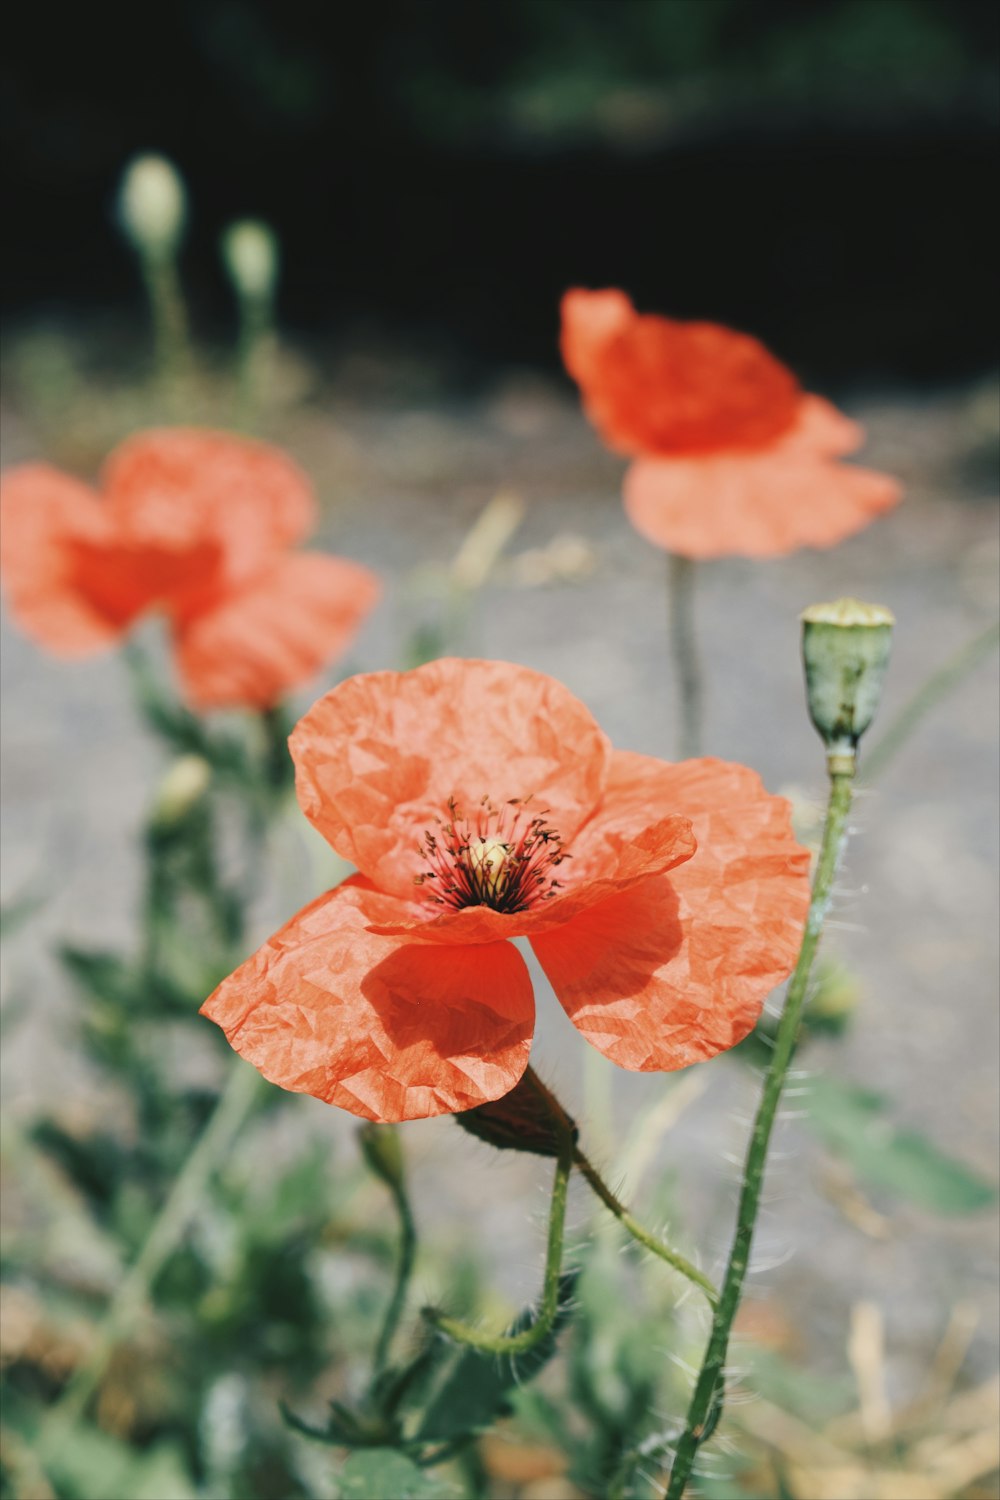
(481, 802)
(732, 456)
(199, 525)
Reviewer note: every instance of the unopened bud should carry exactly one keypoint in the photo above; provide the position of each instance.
(383, 1154)
(152, 205)
(250, 251)
(845, 647)
(180, 791)
(529, 1118)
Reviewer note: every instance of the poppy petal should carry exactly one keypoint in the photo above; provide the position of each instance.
(659, 387)
(176, 488)
(378, 758)
(752, 505)
(677, 968)
(49, 519)
(276, 633)
(382, 1028)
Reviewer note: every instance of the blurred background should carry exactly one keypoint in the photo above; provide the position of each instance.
(818, 173)
(437, 174)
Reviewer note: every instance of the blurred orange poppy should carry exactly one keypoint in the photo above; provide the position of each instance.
(732, 457)
(199, 525)
(481, 802)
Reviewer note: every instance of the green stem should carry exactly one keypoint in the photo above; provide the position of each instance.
(170, 322)
(706, 1402)
(404, 1270)
(681, 575)
(635, 1229)
(224, 1123)
(528, 1338)
(928, 696)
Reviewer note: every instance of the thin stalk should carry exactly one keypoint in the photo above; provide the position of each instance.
(681, 576)
(171, 337)
(928, 696)
(635, 1229)
(706, 1402)
(231, 1110)
(404, 1270)
(528, 1338)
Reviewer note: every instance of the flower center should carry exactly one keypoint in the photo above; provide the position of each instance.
(501, 857)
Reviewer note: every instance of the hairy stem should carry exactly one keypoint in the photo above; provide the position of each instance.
(521, 1343)
(706, 1402)
(231, 1110)
(635, 1229)
(681, 575)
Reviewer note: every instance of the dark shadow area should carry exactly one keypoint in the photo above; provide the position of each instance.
(821, 174)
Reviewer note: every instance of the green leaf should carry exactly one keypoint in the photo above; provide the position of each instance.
(477, 1388)
(385, 1472)
(91, 1462)
(852, 1122)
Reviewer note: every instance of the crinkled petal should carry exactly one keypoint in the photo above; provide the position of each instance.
(615, 858)
(175, 488)
(677, 968)
(388, 1030)
(275, 633)
(378, 757)
(762, 504)
(658, 387)
(50, 522)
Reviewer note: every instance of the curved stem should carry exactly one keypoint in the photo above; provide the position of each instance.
(928, 696)
(635, 1229)
(404, 1270)
(528, 1338)
(706, 1402)
(681, 577)
(231, 1110)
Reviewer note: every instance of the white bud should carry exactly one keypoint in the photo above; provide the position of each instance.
(250, 251)
(152, 204)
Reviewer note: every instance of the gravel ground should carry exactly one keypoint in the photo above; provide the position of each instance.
(916, 912)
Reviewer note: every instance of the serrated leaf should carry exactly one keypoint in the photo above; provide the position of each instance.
(853, 1123)
(385, 1472)
(475, 1391)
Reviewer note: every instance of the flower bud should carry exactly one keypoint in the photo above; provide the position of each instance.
(180, 791)
(529, 1118)
(845, 647)
(382, 1153)
(152, 205)
(250, 251)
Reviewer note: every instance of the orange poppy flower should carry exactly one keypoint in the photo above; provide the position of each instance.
(481, 802)
(199, 525)
(732, 457)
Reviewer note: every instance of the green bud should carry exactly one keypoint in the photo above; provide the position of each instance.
(529, 1118)
(845, 647)
(250, 251)
(382, 1153)
(180, 791)
(152, 206)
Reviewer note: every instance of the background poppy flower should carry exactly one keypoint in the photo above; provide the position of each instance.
(731, 455)
(199, 525)
(481, 802)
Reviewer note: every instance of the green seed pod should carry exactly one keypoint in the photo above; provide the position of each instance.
(845, 648)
